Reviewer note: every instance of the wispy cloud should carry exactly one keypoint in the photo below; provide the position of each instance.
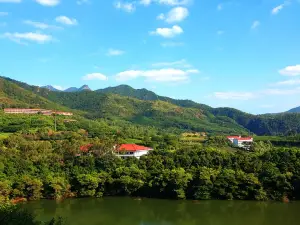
(82, 2)
(282, 91)
(255, 24)
(58, 87)
(114, 52)
(172, 44)
(30, 36)
(95, 76)
(178, 64)
(40, 25)
(220, 32)
(290, 71)
(161, 75)
(10, 1)
(280, 7)
(175, 15)
(168, 32)
(125, 6)
(174, 2)
(48, 2)
(220, 7)
(231, 95)
(66, 20)
(3, 13)
(287, 82)
(145, 2)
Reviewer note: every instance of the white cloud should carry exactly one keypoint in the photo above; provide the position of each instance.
(81, 2)
(66, 20)
(175, 15)
(193, 71)
(3, 13)
(255, 24)
(115, 52)
(179, 64)
(234, 95)
(59, 87)
(174, 2)
(171, 44)
(145, 2)
(287, 82)
(168, 32)
(95, 76)
(220, 7)
(161, 17)
(282, 91)
(10, 1)
(48, 2)
(291, 70)
(161, 75)
(30, 36)
(40, 25)
(278, 8)
(125, 6)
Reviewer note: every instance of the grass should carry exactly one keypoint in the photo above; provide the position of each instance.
(4, 135)
(193, 139)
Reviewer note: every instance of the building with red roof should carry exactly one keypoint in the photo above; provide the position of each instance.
(132, 150)
(241, 142)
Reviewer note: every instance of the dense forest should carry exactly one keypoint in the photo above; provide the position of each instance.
(53, 165)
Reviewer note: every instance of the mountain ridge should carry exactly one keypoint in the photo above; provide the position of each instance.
(143, 107)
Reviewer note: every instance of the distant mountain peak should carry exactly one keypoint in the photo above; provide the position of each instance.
(84, 88)
(50, 88)
(70, 89)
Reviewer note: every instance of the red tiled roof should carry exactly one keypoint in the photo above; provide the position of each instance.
(85, 148)
(133, 148)
(245, 139)
(233, 136)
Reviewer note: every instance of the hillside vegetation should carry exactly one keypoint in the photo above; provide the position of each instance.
(143, 107)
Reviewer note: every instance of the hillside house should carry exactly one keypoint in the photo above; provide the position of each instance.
(231, 138)
(132, 150)
(241, 142)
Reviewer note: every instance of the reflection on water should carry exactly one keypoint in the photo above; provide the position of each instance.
(126, 211)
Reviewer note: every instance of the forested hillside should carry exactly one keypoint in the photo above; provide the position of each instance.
(143, 107)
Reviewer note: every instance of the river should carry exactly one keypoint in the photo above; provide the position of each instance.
(127, 211)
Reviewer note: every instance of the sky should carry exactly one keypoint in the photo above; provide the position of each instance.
(224, 53)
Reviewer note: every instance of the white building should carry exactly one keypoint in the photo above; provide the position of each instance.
(132, 150)
(231, 138)
(241, 142)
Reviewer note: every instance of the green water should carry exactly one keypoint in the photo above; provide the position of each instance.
(126, 211)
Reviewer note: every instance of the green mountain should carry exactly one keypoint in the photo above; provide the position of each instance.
(143, 107)
(295, 110)
(14, 95)
(269, 124)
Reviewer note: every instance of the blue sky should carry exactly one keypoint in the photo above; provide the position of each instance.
(241, 54)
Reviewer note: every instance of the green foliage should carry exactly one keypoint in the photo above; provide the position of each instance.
(33, 168)
(12, 215)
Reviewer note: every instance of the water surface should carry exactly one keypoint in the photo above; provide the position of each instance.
(127, 211)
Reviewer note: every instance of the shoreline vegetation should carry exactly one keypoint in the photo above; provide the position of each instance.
(14, 215)
(48, 164)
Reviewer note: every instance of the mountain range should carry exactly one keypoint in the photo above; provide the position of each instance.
(144, 107)
(71, 89)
